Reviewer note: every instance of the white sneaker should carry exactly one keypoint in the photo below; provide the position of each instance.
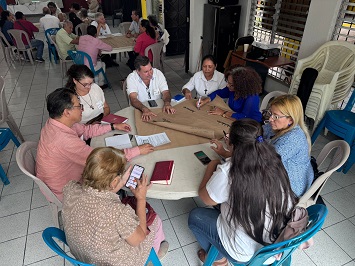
(163, 250)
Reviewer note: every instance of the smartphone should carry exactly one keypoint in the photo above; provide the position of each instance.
(152, 103)
(202, 157)
(136, 173)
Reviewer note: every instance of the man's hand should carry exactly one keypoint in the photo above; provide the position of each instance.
(146, 148)
(122, 127)
(167, 108)
(187, 93)
(147, 114)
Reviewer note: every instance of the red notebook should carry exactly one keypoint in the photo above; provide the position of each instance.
(115, 119)
(163, 173)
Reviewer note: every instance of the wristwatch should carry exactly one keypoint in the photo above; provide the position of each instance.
(112, 127)
(224, 114)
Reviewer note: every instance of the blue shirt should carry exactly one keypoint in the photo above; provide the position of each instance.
(243, 107)
(7, 26)
(293, 149)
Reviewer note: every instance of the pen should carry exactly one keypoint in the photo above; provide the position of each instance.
(198, 103)
(225, 134)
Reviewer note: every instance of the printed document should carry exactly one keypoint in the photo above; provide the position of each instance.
(156, 139)
(119, 141)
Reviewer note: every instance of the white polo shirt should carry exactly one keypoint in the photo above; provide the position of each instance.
(102, 31)
(156, 86)
(49, 21)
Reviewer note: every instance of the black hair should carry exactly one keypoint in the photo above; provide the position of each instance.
(136, 12)
(76, 6)
(149, 29)
(84, 13)
(18, 15)
(260, 185)
(77, 72)
(58, 101)
(141, 61)
(153, 20)
(91, 30)
(51, 4)
(4, 15)
(209, 57)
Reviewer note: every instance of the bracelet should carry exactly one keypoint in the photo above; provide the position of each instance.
(112, 127)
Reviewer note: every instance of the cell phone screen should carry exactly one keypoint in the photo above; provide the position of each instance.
(202, 157)
(136, 173)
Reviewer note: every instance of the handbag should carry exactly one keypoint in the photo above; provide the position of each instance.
(150, 213)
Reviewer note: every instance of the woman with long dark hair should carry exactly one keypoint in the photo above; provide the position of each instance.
(242, 91)
(255, 196)
(7, 23)
(146, 37)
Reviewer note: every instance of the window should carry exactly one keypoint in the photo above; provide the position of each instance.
(281, 22)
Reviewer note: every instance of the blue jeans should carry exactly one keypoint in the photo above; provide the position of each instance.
(39, 45)
(203, 224)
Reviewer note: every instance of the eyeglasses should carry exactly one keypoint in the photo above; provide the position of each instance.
(81, 106)
(86, 85)
(275, 117)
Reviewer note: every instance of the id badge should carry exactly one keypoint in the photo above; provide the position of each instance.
(100, 105)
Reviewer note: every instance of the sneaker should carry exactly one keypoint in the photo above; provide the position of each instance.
(163, 250)
(40, 60)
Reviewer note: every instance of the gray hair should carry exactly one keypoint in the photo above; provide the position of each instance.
(67, 23)
(98, 15)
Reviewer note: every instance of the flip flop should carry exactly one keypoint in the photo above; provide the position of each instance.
(202, 256)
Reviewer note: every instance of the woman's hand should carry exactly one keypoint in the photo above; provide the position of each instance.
(216, 111)
(122, 127)
(202, 102)
(219, 149)
(146, 148)
(140, 191)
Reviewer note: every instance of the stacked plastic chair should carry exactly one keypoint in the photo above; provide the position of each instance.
(51, 48)
(335, 63)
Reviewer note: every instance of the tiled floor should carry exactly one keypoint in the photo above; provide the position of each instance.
(24, 214)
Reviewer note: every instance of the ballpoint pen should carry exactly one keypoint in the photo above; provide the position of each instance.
(198, 103)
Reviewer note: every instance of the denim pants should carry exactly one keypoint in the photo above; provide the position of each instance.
(203, 224)
(39, 45)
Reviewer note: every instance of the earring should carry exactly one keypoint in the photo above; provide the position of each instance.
(289, 124)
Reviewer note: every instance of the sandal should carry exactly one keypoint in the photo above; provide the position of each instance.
(202, 256)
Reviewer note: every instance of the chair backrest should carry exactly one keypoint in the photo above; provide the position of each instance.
(268, 97)
(157, 51)
(49, 235)
(80, 57)
(26, 161)
(338, 151)
(49, 32)
(350, 102)
(4, 41)
(124, 88)
(243, 40)
(16, 36)
(3, 108)
(124, 27)
(317, 214)
(81, 29)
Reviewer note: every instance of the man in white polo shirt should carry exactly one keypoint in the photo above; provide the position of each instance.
(49, 21)
(147, 83)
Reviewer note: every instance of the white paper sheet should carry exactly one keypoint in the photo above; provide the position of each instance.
(117, 34)
(156, 139)
(119, 141)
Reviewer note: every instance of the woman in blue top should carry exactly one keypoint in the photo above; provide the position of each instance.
(242, 91)
(6, 23)
(287, 132)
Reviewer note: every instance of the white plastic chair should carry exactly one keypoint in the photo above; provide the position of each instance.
(81, 28)
(8, 50)
(123, 27)
(5, 115)
(341, 152)
(157, 51)
(335, 62)
(63, 61)
(26, 161)
(16, 36)
(268, 97)
(124, 88)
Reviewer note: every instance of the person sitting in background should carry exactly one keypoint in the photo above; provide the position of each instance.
(205, 81)
(134, 27)
(92, 46)
(242, 91)
(48, 21)
(255, 196)
(7, 23)
(61, 152)
(66, 40)
(22, 24)
(287, 132)
(56, 11)
(146, 38)
(74, 9)
(91, 96)
(153, 21)
(83, 15)
(101, 25)
(93, 6)
(99, 228)
(147, 83)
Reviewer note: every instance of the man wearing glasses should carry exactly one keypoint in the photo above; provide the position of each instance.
(62, 151)
(145, 84)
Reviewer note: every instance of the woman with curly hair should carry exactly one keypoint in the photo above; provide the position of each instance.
(255, 196)
(242, 91)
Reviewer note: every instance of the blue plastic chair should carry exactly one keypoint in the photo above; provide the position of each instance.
(79, 57)
(51, 47)
(342, 124)
(316, 213)
(50, 233)
(5, 136)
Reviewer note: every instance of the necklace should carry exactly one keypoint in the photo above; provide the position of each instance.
(90, 105)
